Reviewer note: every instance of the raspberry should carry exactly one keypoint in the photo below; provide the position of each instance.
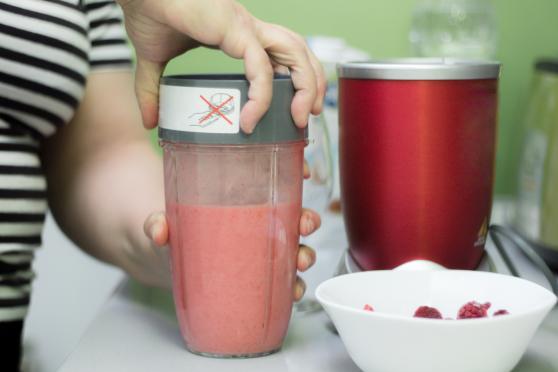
(501, 312)
(428, 312)
(368, 308)
(473, 309)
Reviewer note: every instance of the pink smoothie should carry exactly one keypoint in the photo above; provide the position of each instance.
(233, 272)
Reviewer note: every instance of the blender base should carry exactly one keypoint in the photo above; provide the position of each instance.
(549, 255)
(348, 265)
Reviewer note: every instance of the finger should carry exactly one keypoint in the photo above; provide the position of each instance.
(310, 221)
(279, 69)
(260, 75)
(304, 82)
(148, 75)
(321, 82)
(299, 288)
(289, 49)
(306, 173)
(156, 229)
(306, 258)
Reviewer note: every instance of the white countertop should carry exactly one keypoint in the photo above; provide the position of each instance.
(130, 336)
(137, 331)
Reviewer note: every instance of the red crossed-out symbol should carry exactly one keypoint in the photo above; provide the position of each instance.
(216, 110)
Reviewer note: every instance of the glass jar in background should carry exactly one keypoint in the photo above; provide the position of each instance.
(454, 28)
(322, 191)
(318, 189)
(317, 196)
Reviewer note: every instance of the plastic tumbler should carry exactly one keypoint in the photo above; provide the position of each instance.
(233, 202)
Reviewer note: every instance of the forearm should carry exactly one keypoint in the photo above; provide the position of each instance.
(104, 178)
(103, 206)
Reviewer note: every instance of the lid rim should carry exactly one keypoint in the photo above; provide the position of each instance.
(419, 69)
(192, 138)
(169, 136)
(186, 79)
(275, 126)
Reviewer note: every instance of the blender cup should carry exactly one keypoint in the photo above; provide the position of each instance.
(233, 204)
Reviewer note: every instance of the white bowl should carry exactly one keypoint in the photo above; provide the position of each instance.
(390, 339)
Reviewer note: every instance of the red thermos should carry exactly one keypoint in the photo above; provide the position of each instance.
(417, 152)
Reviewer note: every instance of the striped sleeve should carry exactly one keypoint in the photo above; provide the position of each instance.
(109, 47)
(15, 284)
(22, 212)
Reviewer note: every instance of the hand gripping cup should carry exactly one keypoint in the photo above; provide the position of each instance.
(233, 203)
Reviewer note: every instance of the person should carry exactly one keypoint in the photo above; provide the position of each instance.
(69, 119)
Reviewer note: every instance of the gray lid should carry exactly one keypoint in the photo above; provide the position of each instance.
(205, 109)
(419, 69)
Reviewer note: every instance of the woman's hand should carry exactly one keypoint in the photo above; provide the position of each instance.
(163, 29)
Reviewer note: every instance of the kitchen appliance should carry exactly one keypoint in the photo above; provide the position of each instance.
(233, 202)
(506, 253)
(536, 214)
(417, 149)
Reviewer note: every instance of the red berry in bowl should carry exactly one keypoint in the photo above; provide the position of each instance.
(428, 312)
(501, 312)
(368, 308)
(473, 309)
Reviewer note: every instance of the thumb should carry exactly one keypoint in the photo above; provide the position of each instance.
(148, 75)
(156, 229)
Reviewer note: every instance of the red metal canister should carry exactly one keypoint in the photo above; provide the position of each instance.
(417, 152)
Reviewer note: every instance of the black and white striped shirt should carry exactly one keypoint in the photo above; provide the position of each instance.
(47, 50)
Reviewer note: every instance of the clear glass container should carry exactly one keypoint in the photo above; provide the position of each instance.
(454, 28)
(234, 216)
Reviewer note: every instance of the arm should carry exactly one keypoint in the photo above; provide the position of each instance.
(104, 179)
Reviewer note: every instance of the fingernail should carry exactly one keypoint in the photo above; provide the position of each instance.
(247, 129)
(309, 225)
(302, 288)
(153, 231)
(306, 262)
(306, 121)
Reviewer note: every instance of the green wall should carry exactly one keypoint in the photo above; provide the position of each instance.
(528, 29)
